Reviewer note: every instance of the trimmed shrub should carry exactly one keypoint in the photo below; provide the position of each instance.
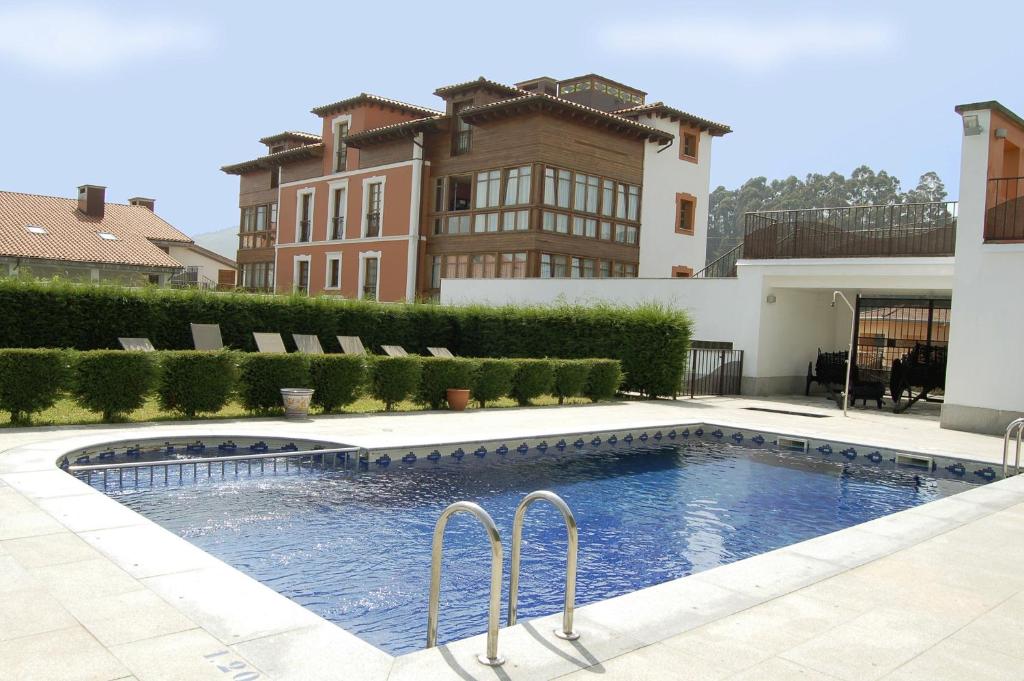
(605, 379)
(192, 381)
(441, 373)
(393, 379)
(261, 377)
(533, 378)
(570, 378)
(113, 382)
(652, 341)
(493, 379)
(336, 379)
(31, 380)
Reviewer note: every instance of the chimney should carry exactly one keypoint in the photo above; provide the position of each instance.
(143, 201)
(91, 200)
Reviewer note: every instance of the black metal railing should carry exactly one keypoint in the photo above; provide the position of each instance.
(1004, 209)
(337, 227)
(373, 224)
(461, 142)
(340, 159)
(304, 230)
(906, 229)
(723, 266)
(712, 371)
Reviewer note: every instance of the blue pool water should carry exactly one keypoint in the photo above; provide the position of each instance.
(355, 548)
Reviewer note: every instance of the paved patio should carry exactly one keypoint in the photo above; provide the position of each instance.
(90, 590)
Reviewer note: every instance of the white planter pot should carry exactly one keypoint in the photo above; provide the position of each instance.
(296, 402)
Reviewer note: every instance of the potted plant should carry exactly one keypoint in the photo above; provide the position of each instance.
(296, 402)
(458, 398)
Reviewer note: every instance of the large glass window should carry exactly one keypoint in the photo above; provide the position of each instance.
(633, 202)
(517, 186)
(456, 267)
(515, 221)
(485, 222)
(488, 188)
(305, 227)
(555, 222)
(374, 199)
(458, 224)
(341, 153)
(513, 265)
(483, 266)
(557, 187)
(338, 219)
(462, 133)
(460, 189)
(586, 193)
(435, 272)
(333, 271)
(607, 197)
(370, 276)
(620, 201)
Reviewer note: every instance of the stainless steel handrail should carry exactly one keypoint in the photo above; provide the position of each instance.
(1018, 425)
(567, 632)
(211, 459)
(491, 658)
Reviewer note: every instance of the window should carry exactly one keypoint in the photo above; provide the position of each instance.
(588, 268)
(275, 177)
(462, 133)
(631, 234)
(515, 221)
(513, 265)
(261, 219)
(555, 222)
(333, 271)
(607, 197)
(302, 276)
(629, 270)
(457, 267)
(248, 218)
(374, 203)
(586, 193)
(517, 186)
(682, 271)
(577, 226)
(305, 231)
(458, 224)
(257, 276)
(606, 231)
(35, 229)
(684, 213)
(106, 236)
(620, 201)
(273, 216)
(553, 266)
(688, 146)
(435, 272)
(485, 222)
(483, 266)
(617, 269)
(584, 227)
(605, 269)
(488, 188)
(439, 195)
(460, 190)
(557, 187)
(620, 233)
(340, 148)
(338, 219)
(371, 265)
(632, 202)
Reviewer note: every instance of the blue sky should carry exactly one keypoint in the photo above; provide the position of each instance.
(152, 98)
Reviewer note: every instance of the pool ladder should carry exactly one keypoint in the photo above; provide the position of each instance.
(1018, 426)
(491, 657)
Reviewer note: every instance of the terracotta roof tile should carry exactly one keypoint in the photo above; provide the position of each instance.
(364, 97)
(296, 135)
(271, 160)
(480, 82)
(73, 236)
(395, 130)
(661, 109)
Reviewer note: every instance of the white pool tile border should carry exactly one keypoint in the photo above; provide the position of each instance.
(281, 637)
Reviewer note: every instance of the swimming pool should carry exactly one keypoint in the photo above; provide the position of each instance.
(354, 546)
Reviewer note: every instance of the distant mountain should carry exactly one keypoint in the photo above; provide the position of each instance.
(223, 241)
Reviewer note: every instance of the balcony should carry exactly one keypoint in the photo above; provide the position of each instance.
(885, 231)
(1004, 210)
(251, 240)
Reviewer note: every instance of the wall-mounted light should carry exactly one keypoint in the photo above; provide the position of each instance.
(1000, 133)
(972, 126)
(770, 299)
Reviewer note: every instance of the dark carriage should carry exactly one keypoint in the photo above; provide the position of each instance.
(923, 367)
(829, 370)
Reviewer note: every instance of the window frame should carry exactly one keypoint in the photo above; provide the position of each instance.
(368, 182)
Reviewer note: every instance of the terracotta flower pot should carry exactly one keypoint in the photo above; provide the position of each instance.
(458, 398)
(296, 402)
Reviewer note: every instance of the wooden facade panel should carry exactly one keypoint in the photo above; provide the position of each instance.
(528, 241)
(384, 153)
(255, 182)
(302, 170)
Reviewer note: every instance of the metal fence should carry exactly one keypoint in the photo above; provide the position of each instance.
(907, 229)
(712, 371)
(723, 266)
(1004, 209)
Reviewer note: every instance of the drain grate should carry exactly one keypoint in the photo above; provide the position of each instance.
(790, 413)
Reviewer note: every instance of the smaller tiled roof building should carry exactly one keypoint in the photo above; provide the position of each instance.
(89, 239)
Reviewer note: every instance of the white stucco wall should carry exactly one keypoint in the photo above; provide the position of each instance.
(665, 174)
(985, 373)
(208, 267)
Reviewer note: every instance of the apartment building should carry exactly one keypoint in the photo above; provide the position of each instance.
(573, 178)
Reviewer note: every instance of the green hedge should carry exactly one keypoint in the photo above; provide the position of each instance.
(532, 378)
(337, 380)
(261, 377)
(193, 382)
(113, 382)
(30, 380)
(493, 379)
(393, 379)
(570, 378)
(651, 341)
(441, 373)
(603, 380)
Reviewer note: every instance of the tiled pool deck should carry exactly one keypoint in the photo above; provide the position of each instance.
(91, 590)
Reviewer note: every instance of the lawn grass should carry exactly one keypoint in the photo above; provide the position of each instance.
(66, 412)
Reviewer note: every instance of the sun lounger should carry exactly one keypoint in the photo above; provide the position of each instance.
(440, 352)
(394, 351)
(207, 337)
(136, 344)
(351, 345)
(308, 344)
(269, 342)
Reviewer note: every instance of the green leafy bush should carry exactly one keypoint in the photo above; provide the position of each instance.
(193, 382)
(336, 379)
(605, 379)
(441, 373)
(650, 340)
(113, 382)
(493, 379)
(393, 379)
(261, 377)
(532, 378)
(31, 380)
(570, 378)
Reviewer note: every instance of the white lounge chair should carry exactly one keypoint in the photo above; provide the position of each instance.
(351, 345)
(207, 337)
(269, 342)
(440, 352)
(136, 344)
(394, 351)
(308, 344)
